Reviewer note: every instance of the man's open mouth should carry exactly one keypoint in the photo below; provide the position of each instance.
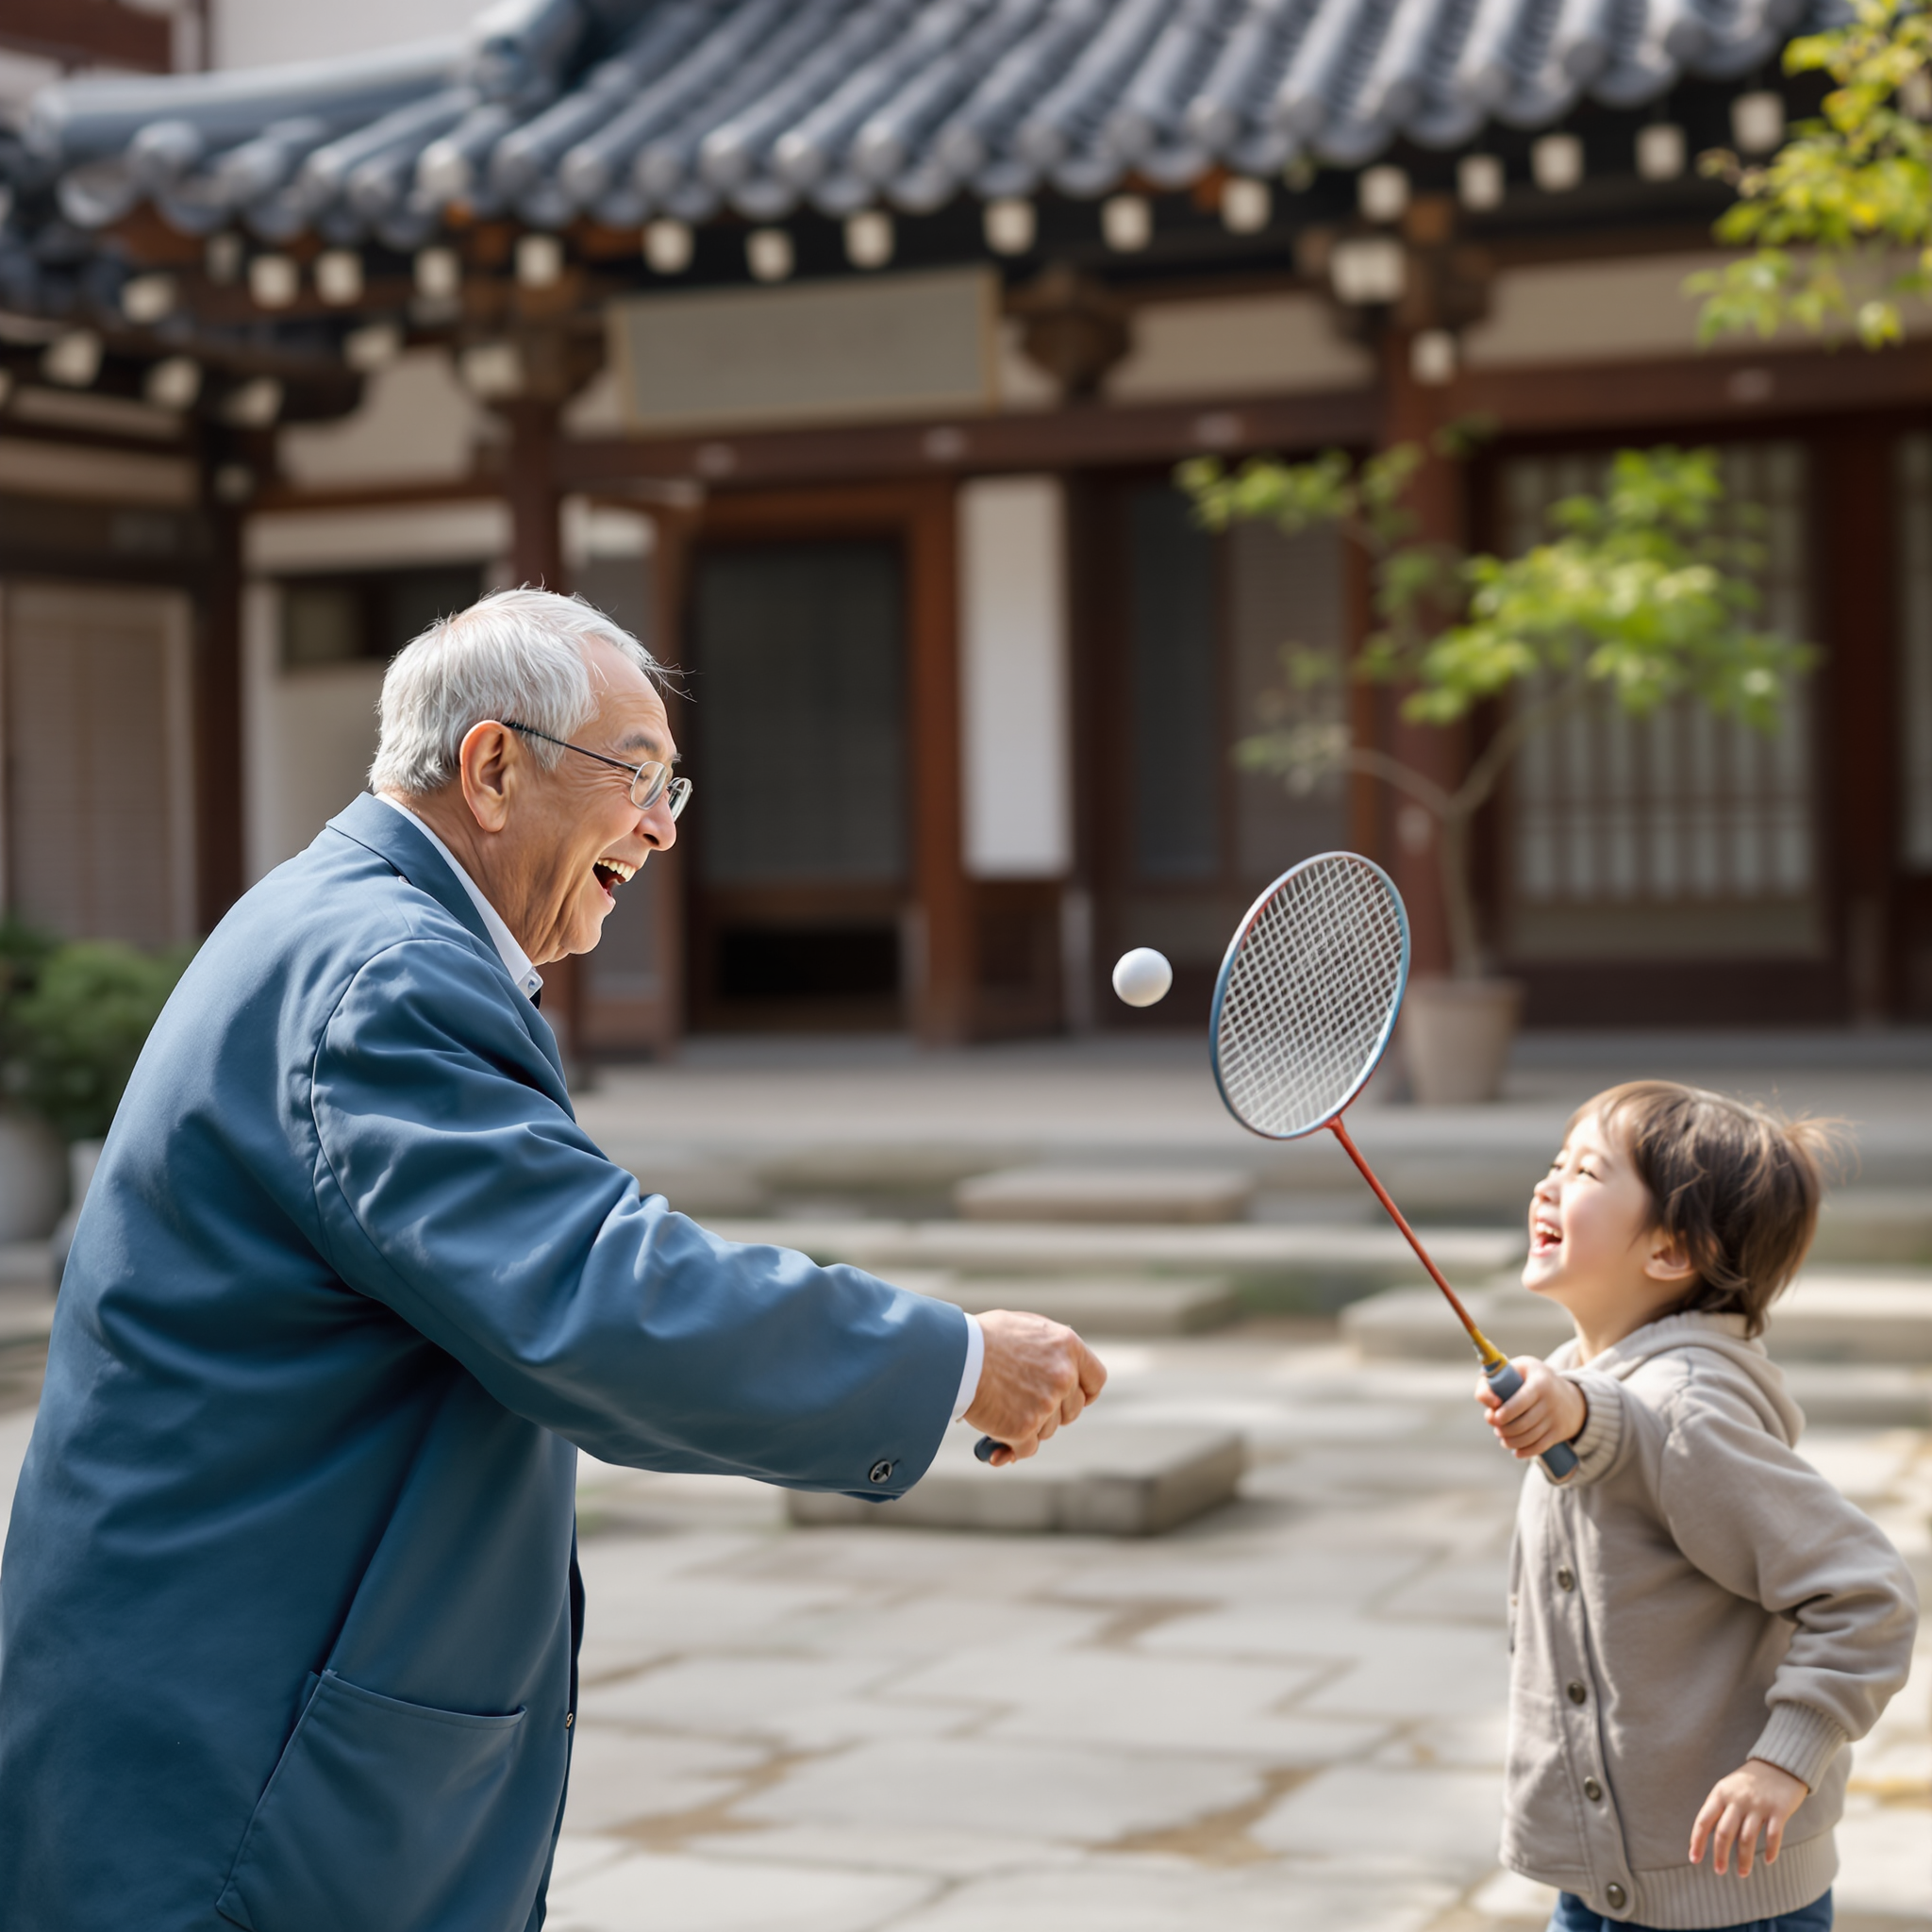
(612, 872)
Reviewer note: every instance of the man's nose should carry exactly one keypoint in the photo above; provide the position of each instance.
(657, 827)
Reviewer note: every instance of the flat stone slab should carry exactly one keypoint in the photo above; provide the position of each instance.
(1825, 1316)
(1100, 1477)
(1111, 1305)
(1881, 1224)
(1859, 1395)
(1167, 1195)
(1366, 1255)
(27, 1314)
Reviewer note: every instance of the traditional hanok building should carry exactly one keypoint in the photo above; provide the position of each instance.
(846, 349)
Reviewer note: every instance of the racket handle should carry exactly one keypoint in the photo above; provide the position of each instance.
(1503, 1378)
(985, 1446)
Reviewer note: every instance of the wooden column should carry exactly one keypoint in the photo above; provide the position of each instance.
(535, 560)
(217, 678)
(1854, 618)
(1413, 412)
(943, 1009)
(536, 540)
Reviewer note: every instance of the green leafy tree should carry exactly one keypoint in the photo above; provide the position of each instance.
(72, 1037)
(1642, 595)
(1838, 222)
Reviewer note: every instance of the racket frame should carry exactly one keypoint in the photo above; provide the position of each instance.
(1234, 948)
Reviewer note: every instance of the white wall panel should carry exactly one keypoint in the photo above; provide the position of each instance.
(1016, 755)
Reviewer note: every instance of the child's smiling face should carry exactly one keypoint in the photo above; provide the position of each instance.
(1593, 1246)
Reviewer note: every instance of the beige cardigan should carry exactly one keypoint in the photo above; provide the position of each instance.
(1694, 1594)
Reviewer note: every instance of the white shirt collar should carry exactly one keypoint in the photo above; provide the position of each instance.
(513, 956)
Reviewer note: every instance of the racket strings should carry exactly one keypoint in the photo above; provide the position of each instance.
(1310, 995)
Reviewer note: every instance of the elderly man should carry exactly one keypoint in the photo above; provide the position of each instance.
(290, 1609)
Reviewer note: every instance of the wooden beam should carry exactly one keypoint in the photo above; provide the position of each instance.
(1722, 392)
(1020, 439)
(88, 33)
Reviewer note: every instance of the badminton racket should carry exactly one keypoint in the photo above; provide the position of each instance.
(1303, 1012)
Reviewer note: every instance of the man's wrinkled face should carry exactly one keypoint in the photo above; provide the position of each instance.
(578, 823)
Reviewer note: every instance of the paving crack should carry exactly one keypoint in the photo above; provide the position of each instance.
(1218, 1838)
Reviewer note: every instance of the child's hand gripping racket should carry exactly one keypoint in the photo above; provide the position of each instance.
(1303, 1011)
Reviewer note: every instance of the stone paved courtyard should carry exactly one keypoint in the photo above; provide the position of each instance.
(1287, 1715)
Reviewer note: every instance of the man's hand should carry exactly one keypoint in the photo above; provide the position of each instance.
(1756, 1797)
(1548, 1408)
(1036, 1375)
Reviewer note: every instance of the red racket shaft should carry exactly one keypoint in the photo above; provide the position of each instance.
(1497, 1369)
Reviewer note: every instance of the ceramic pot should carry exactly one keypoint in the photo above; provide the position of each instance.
(83, 1156)
(1455, 1037)
(33, 1176)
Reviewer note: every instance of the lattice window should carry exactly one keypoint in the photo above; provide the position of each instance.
(1681, 834)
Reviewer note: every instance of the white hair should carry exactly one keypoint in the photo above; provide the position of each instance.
(517, 656)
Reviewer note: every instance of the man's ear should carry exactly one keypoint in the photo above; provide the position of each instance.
(1668, 1263)
(487, 764)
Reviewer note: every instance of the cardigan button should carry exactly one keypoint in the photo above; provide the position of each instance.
(1592, 1791)
(1615, 1896)
(1566, 1578)
(1577, 1694)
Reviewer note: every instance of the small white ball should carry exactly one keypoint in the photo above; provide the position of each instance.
(1142, 976)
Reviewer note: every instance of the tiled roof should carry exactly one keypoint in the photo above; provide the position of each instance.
(623, 110)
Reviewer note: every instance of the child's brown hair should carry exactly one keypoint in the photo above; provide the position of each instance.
(1736, 1186)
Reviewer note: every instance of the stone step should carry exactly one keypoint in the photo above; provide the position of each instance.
(1123, 1305)
(1875, 1225)
(1827, 1316)
(1102, 1478)
(1853, 1395)
(1109, 1194)
(27, 1315)
(1303, 1263)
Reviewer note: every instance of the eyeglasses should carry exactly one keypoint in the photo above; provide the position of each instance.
(649, 782)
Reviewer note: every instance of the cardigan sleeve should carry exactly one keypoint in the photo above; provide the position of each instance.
(1761, 1520)
(1599, 1445)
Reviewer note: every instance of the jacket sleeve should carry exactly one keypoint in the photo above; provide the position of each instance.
(453, 1185)
(1761, 1520)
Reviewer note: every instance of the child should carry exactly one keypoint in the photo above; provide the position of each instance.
(1699, 1622)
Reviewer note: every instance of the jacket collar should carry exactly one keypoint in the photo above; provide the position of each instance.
(398, 843)
(394, 839)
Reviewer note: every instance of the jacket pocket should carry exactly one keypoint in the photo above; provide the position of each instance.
(373, 1812)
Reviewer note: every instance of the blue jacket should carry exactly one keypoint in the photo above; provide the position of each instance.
(289, 1611)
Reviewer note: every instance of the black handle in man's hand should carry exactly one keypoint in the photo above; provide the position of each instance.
(1036, 1375)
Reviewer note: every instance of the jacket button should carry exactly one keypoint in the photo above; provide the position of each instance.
(570, 1717)
(880, 1472)
(1577, 1694)
(1615, 1896)
(1566, 1579)
(1592, 1791)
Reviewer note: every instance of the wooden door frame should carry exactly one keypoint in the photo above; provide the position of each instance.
(919, 514)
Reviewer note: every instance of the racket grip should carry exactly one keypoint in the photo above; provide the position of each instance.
(985, 1446)
(1503, 1378)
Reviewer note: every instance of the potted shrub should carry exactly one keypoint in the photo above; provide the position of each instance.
(1642, 595)
(73, 1021)
(33, 1162)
